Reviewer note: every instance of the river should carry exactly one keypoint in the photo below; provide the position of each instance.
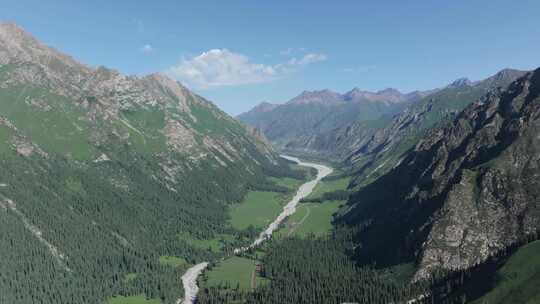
(189, 279)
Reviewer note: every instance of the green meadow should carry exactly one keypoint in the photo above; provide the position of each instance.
(233, 272)
(518, 280)
(329, 186)
(258, 209)
(310, 218)
(172, 261)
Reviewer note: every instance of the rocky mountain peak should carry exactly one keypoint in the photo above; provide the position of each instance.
(17, 46)
(317, 97)
(264, 107)
(388, 95)
(506, 75)
(461, 82)
(14, 34)
(389, 91)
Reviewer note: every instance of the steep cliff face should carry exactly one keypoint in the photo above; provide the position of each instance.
(385, 147)
(467, 189)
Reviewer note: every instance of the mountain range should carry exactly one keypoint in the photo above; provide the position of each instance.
(371, 137)
(321, 112)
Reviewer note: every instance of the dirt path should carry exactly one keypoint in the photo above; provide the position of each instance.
(253, 279)
(293, 229)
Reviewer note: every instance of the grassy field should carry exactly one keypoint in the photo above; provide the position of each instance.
(214, 245)
(235, 271)
(141, 299)
(5, 136)
(287, 182)
(258, 209)
(55, 127)
(519, 279)
(328, 186)
(172, 261)
(310, 218)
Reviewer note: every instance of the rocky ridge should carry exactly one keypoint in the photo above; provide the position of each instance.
(466, 191)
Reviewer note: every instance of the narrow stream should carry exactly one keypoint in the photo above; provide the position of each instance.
(189, 279)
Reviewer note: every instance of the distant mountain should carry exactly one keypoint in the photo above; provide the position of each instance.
(388, 96)
(103, 173)
(264, 107)
(294, 124)
(325, 97)
(468, 190)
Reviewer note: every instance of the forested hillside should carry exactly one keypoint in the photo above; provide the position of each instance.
(105, 178)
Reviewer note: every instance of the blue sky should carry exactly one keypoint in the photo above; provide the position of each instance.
(238, 53)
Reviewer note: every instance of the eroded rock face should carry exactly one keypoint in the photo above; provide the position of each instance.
(467, 190)
(495, 199)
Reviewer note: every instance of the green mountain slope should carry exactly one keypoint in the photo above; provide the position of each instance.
(518, 279)
(103, 174)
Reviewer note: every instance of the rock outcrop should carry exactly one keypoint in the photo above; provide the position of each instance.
(466, 191)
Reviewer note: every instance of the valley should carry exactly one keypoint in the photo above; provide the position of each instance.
(142, 168)
(236, 268)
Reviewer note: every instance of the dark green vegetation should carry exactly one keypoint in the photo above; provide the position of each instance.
(105, 232)
(112, 186)
(316, 271)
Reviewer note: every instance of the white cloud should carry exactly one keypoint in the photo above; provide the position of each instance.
(147, 48)
(221, 67)
(308, 59)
